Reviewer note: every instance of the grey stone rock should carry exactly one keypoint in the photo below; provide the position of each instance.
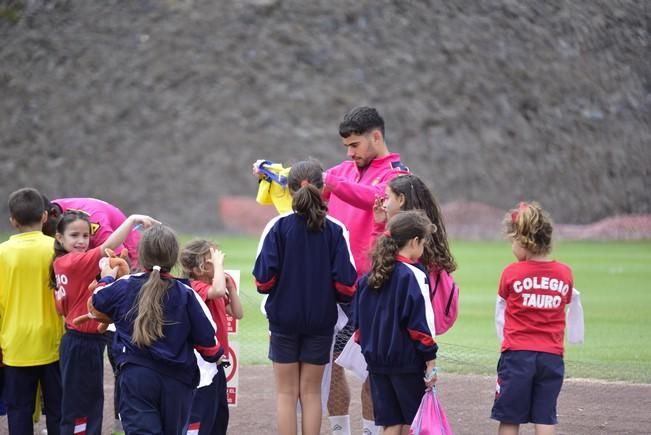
(161, 107)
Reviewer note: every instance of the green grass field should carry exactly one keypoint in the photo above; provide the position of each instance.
(614, 279)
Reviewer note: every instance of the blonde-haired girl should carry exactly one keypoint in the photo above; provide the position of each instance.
(532, 296)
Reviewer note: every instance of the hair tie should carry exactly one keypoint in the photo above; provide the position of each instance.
(162, 274)
(515, 214)
(387, 233)
(305, 182)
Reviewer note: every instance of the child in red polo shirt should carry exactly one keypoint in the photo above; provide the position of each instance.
(73, 268)
(535, 291)
(203, 263)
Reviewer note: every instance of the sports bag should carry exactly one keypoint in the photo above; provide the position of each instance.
(444, 294)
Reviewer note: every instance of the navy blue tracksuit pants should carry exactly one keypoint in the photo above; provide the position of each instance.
(210, 406)
(19, 392)
(82, 376)
(152, 403)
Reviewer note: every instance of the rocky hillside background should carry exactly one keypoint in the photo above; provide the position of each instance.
(162, 106)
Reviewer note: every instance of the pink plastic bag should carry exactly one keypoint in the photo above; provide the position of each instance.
(430, 418)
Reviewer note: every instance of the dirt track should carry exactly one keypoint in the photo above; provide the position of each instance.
(585, 407)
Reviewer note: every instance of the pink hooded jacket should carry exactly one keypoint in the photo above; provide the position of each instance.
(351, 192)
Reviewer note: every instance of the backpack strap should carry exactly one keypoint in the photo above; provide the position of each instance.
(436, 285)
(450, 299)
(448, 305)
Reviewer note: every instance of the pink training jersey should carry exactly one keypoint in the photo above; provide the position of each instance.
(104, 219)
(351, 193)
(536, 293)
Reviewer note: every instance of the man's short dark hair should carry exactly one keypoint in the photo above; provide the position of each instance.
(26, 206)
(361, 120)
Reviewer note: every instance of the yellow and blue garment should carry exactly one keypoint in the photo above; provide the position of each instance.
(273, 186)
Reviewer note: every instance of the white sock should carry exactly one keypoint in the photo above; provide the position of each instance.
(340, 424)
(370, 428)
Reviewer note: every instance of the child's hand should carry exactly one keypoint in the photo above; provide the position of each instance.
(143, 220)
(217, 257)
(431, 374)
(379, 212)
(106, 269)
(256, 168)
(430, 378)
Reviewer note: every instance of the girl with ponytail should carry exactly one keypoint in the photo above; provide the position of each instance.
(531, 315)
(304, 266)
(394, 322)
(159, 322)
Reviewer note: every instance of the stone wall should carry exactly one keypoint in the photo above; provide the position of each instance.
(162, 106)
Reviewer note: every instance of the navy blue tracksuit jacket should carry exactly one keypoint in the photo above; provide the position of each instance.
(305, 273)
(187, 325)
(394, 324)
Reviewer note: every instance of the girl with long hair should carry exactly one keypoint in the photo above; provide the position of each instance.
(159, 322)
(305, 266)
(394, 322)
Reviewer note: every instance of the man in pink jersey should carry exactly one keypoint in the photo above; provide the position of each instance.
(352, 186)
(104, 219)
(351, 189)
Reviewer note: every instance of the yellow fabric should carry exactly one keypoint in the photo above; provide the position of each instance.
(30, 327)
(270, 192)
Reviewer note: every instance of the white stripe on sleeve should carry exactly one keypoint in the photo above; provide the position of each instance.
(421, 278)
